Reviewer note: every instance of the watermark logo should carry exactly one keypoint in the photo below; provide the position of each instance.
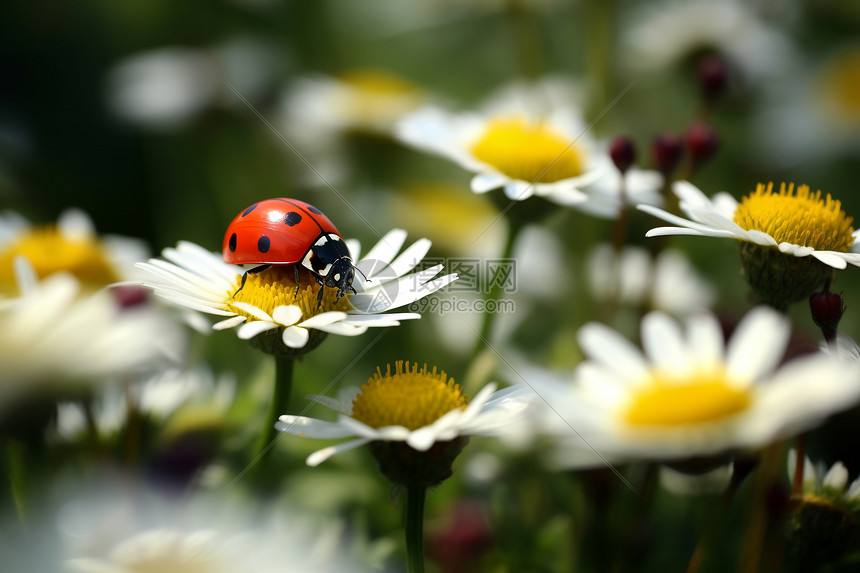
(489, 283)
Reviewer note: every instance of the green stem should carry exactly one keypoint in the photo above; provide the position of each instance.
(492, 297)
(415, 497)
(527, 38)
(600, 14)
(17, 477)
(283, 387)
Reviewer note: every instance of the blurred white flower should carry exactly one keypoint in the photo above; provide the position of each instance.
(528, 139)
(813, 113)
(158, 396)
(832, 483)
(633, 277)
(661, 35)
(604, 196)
(365, 100)
(71, 246)
(166, 88)
(690, 394)
(53, 336)
(114, 530)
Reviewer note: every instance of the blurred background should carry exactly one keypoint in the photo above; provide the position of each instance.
(163, 120)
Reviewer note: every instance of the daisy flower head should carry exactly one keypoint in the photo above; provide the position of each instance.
(283, 317)
(71, 246)
(690, 394)
(362, 100)
(527, 140)
(112, 527)
(664, 34)
(791, 239)
(814, 113)
(415, 421)
(56, 336)
(634, 278)
(826, 519)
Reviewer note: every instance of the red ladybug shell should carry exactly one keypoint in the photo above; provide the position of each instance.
(274, 232)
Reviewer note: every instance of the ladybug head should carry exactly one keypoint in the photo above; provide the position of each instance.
(340, 276)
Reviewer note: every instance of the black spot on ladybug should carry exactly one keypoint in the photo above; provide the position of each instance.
(263, 244)
(232, 243)
(292, 219)
(314, 210)
(249, 209)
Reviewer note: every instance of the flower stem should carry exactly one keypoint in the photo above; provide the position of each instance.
(799, 459)
(281, 391)
(415, 497)
(492, 296)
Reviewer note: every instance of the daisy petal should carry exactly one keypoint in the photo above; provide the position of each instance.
(322, 455)
(251, 329)
(287, 315)
(229, 323)
(311, 428)
(253, 311)
(295, 337)
(757, 345)
(609, 348)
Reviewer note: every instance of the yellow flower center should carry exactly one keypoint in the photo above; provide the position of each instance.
(379, 83)
(839, 86)
(528, 152)
(798, 217)
(676, 403)
(377, 98)
(276, 286)
(49, 252)
(410, 397)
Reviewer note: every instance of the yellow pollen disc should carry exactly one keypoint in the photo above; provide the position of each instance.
(380, 83)
(839, 85)
(528, 152)
(673, 403)
(276, 286)
(50, 252)
(799, 217)
(409, 397)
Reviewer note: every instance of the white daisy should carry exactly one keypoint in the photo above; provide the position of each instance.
(71, 246)
(54, 336)
(158, 396)
(198, 279)
(813, 113)
(417, 407)
(168, 87)
(366, 100)
(690, 394)
(633, 277)
(121, 529)
(604, 196)
(661, 35)
(528, 140)
(845, 347)
(829, 483)
(797, 222)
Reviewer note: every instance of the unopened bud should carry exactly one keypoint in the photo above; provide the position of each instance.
(827, 309)
(713, 77)
(702, 142)
(666, 151)
(623, 153)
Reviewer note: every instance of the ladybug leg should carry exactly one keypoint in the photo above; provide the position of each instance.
(296, 269)
(254, 271)
(321, 291)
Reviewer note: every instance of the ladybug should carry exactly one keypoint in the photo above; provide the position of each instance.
(290, 232)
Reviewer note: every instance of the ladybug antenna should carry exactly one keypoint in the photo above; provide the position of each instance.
(358, 270)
